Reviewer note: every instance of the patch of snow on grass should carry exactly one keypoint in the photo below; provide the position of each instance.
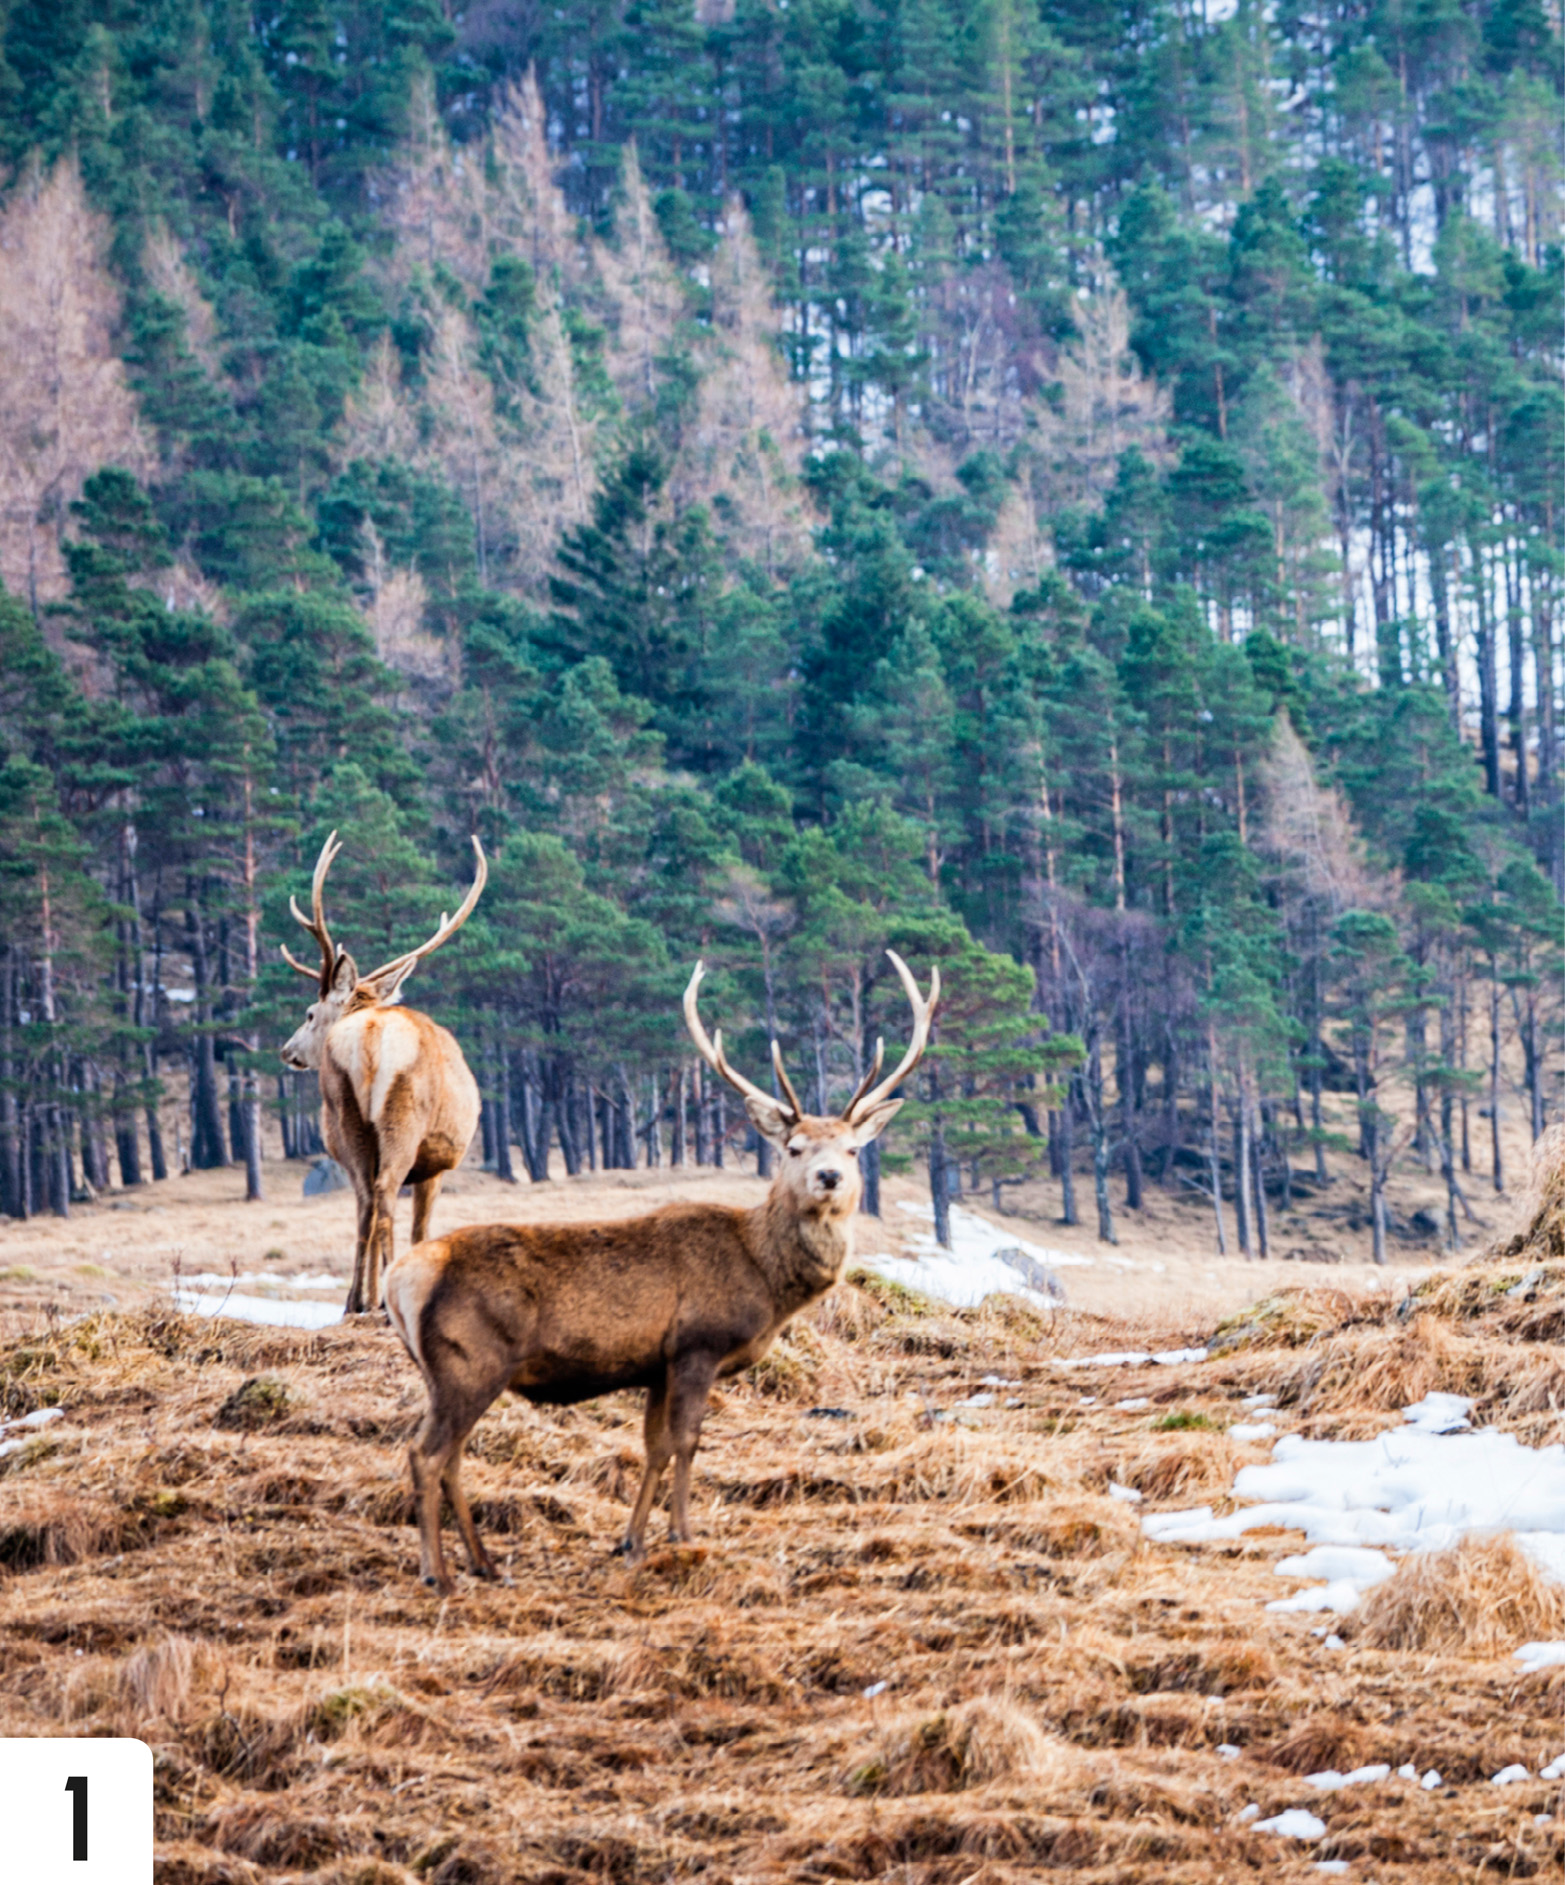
(1296, 1823)
(209, 1279)
(40, 1417)
(1360, 1567)
(1330, 1781)
(1252, 1430)
(1507, 1776)
(271, 1311)
(971, 1269)
(1131, 1358)
(1440, 1413)
(1419, 1488)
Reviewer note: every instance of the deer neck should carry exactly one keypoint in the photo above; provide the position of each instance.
(803, 1252)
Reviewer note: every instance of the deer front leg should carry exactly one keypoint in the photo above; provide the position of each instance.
(659, 1448)
(687, 1410)
(424, 1196)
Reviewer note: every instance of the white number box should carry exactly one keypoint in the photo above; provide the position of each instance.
(76, 1810)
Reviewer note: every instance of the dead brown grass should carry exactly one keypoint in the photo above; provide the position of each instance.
(914, 1641)
(1481, 1597)
(976, 1743)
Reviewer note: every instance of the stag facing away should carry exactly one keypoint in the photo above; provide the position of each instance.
(399, 1104)
(670, 1302)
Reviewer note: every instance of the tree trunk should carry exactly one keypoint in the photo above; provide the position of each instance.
(1242, 1177)
(1488, 679)
(57, 1150)
(504, 1169)
(1097, 1121)
(1214, 1143)
(940, 1182)
(1498, 1168)
(12, 1154)
(1068, 1212)
(250, 1076)
(207, 1150)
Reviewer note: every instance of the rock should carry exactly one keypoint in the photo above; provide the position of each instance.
(1425, 1223)
(1034, 1274)
(323, 1176)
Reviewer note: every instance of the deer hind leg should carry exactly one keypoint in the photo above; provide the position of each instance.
(355, 1304)
(483, 1565)
(434, 1460)
(687, 1410)
(424, 1196)
(378, 1250)
(660, 1447)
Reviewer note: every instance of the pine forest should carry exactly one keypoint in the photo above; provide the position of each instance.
(1067, 490)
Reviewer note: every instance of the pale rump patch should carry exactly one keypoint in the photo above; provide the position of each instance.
(372, 1050)
(405, 1324)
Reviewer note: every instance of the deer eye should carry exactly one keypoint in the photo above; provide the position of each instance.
(853, 1151)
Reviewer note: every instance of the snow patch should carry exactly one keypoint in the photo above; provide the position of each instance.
(1330, 1781)
(40, 1417)
(1131, 1358)
(1252, 1430)
(1418, 1488)
(271, 1311)
(1296, 1823)
(973, 1267)
(1536, 1656)
(209, 1279)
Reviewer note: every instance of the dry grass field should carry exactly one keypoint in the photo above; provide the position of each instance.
(916, 1641)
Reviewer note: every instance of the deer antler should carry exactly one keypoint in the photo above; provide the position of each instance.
(315, 923)
(399, 966)
(923, 1011)
(710, 1048)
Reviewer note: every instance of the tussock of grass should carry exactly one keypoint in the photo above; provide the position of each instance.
(972, 1745)
(1482, 1597)
(261, 1401)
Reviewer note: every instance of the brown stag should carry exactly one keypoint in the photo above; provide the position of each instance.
(669, 1302)
(398, 1103)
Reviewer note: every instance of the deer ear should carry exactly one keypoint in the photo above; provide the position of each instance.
(388, 988)
(344, 974)
(771, 1119)
(876, 1120)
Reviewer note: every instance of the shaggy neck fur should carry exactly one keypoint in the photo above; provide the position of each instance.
(804, 1251)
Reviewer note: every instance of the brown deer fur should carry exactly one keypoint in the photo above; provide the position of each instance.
(669, 1302)
(398, 1102)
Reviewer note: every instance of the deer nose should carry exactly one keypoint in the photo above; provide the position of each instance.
(830, 1180)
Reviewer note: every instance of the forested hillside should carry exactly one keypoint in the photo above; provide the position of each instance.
(1071, 490)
